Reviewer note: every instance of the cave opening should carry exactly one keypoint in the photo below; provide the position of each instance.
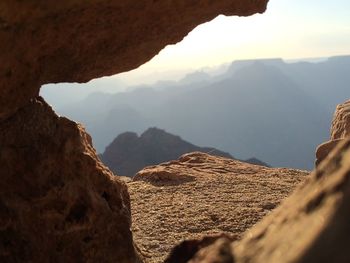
(261, 88)
(87, 216)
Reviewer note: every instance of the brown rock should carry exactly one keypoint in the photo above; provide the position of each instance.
(312, 225)
(340, 129)
(47, 41)
(218, 244)
(219, 252)
(324, 149)
(341, 121)
(200, 194)
(58, 203)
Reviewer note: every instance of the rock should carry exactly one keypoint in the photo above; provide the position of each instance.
(200, 194)
(129, 153)
(340, 129)
(58, 203)
(220, 251)
(75, 41)
(189, 248)
(324, 149)
(312, 225)
(341, 121)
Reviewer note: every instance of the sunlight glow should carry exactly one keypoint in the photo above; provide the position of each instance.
(288, 29)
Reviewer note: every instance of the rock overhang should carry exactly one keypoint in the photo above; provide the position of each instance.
(75, 41)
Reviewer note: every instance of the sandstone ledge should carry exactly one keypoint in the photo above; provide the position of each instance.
(202, 195)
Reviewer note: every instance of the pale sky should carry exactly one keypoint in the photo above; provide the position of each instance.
(289, 29)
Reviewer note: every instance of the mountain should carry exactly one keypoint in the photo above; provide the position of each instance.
(273, 110)
(258, 111)
(129, 153)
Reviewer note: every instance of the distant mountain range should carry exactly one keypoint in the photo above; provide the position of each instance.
(276, 111)
(129, 153)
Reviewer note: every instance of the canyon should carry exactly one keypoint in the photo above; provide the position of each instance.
(237, 111)
(59, 203)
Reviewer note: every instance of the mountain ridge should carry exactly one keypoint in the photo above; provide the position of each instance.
(129, 153)
(250, 111)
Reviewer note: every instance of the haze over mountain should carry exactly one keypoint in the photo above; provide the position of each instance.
(275, 111)
(129, 153)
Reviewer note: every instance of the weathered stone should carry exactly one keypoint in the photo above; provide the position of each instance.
(340, 129)
(219, 252)
(312, 225)
(324, 149)
(200, 194)
(341, 121)
(49, 41)
(186, 250)
(58, 203)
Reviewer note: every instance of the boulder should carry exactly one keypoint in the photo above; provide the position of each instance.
(58, 203)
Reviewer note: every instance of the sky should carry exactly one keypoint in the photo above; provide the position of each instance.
(289, 29)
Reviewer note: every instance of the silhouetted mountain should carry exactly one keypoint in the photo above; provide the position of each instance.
(129, 153)
(276, 111)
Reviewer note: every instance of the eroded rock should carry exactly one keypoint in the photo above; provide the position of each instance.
(188, 249)
(58, 203)
(75, 41)
(341, 121)
(312, 225)
(340, 129)
(198, 195)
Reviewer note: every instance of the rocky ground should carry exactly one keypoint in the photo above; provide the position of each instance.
(199, 195)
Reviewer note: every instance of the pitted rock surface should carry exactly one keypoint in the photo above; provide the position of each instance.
(58, 203)
(200, 194)
(311, 225)
(340, 129)
(341, 121)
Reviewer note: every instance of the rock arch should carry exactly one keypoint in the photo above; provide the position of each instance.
(57, 201)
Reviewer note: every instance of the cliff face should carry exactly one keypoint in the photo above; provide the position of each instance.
(75, 41)
(57, 201)
(200, 194)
